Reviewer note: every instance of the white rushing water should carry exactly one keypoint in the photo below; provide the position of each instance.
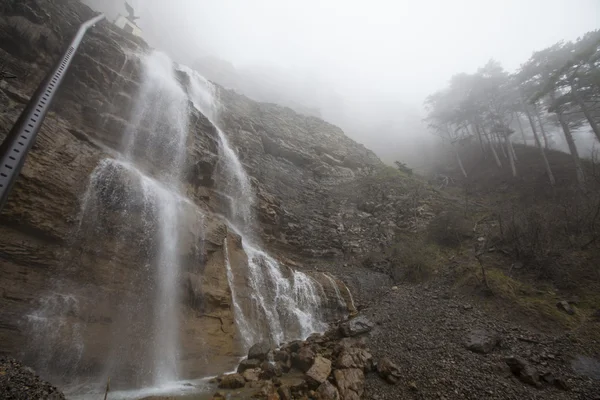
(233, 180)
(143, 188)
(158, 136)
(285, 305)
(338, 295)
(54, 311)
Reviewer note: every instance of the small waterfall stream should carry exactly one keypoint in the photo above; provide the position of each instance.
(288, 307)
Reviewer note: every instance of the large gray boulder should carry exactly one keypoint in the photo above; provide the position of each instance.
(304, 359)
(328, 392)
(481, 341)
(232, 381)
(356, 326)
(259, 351)
(388, 370)
(350, 382)
(355, 358)
(248, 364)
(524, 371)
(320, 370)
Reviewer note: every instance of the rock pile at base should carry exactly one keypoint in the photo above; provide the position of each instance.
(18, 382)
(331, 366)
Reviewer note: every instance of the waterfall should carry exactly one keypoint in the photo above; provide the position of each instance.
(134, 225)
(233, 180)
(284, 304)
(334, 285)
(242, 323)
(55, 309)
(134, 213)
(155, 143)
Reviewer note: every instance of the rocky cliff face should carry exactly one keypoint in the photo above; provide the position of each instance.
(306, 174)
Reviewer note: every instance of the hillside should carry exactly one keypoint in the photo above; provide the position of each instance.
(164, 227)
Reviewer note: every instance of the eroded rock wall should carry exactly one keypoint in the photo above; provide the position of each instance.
(306, 174)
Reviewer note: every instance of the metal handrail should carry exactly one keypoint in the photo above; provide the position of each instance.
(21, 137)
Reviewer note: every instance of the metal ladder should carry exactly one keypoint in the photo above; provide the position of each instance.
(21, 137)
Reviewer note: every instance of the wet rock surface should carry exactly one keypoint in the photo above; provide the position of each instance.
(18, 382)
(259, 351)
(232, 381)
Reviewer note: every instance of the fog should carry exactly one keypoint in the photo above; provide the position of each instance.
(364, 65)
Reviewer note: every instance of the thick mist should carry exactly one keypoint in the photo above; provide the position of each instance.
(365, 66)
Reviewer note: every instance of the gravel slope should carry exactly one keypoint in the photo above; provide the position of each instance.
(18, 382)
(423, 328)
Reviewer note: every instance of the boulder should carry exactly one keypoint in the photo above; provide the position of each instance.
(566, 307)
(561, 383)
(259, 351)
(270, 370)
(284, 360)
(248, 364)
(284, 393)
(281, 355)
(320, 370)
(356, 326)
(327, 391)
(304, 359)
(350, 383)
(388, 370)
(295, 346)
(481, 341)
(251, 375)
(232, 381)
(355, 358)
(523, 370)
(348, 343)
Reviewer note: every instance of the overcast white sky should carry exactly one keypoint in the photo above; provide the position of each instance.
(404, 48)
(383, 57)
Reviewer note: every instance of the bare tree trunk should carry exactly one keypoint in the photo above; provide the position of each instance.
(501, 145)
(460, 164)
(492, 147)
(542, 129)
(586, 111)
(539, 145)
(572, 149)
(480, 140)
(510, 156)
(511, 148)
(521, 128)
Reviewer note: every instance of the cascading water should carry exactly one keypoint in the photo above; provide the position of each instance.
(55, 308)
(156, 141)
(282, 307)
(338, 295)
(135, 203)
